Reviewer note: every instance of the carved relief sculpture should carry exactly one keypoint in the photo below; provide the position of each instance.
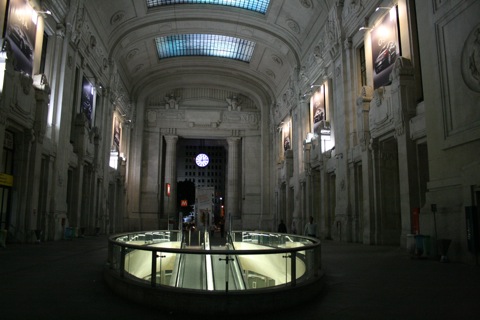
(471, 60)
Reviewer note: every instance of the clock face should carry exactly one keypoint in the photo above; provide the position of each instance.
(201, 160)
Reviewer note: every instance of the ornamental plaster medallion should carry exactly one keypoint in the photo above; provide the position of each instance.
(471, 60)
(306, 3)
(277, 59)
(270, 73)
(139, 67)
(132, 53)
(293, 26)
(117, 17)
(354, 9)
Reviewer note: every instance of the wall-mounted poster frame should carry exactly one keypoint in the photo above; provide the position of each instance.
(318, 110)
(286, 137)
(86, 102)
(21, 31)
(385, 48)
(116, 135)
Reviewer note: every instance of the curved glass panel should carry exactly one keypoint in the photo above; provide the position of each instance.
(252, 5)
(204, 45)
(248, 261)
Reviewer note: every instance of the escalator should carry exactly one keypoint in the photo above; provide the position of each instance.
(228, 272)
(208, 271)
(192, 274)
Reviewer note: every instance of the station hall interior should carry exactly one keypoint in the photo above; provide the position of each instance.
(360, 114)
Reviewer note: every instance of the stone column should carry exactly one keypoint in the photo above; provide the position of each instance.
(375, 222)
(308, 178)
(59, 127)
(233, 189)
(363, 129)
(404, 106)
(22, 219)
(35, 183)
(170, 177)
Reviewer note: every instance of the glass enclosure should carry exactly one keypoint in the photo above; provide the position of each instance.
(246, 261)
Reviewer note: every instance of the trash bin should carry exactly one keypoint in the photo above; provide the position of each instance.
(419, 239)
(68, 233)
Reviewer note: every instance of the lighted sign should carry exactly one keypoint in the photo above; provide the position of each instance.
(21, 30)
(385, 48)
(318, 109)
(87, 99)
(168, 189)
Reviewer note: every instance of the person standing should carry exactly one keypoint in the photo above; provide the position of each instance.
(310, 228)
(212, 230)
(294, 227)
(282, 228)
(222, 227)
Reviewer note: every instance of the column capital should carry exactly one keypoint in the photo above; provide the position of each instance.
(233, 140)
(171, 138)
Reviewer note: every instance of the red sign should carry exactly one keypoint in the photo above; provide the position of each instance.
(167, 189)
(183, 203)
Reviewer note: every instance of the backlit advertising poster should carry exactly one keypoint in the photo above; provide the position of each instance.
(116, 135)
(385, 48)
(203, 206)
(87, 99)
(20, 32)
(317, 104)
(286, 138)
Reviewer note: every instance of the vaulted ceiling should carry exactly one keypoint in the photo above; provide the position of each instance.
(128, 29)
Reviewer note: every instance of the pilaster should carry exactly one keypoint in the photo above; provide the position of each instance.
(171, 175)
(233, 180)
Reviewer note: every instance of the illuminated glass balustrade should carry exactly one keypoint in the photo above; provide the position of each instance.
(247, 262)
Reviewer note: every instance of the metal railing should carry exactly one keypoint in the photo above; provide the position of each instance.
(251, 260)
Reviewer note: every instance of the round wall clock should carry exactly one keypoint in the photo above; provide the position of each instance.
(202, 160)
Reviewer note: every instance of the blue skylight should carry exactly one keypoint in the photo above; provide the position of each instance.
(253, 5)
(212, 45)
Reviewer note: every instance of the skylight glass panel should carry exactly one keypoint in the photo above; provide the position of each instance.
(252, 5)
(212, 45)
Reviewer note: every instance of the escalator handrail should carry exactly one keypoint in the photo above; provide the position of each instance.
(314, 243)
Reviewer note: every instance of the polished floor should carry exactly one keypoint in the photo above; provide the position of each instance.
(63, 280)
